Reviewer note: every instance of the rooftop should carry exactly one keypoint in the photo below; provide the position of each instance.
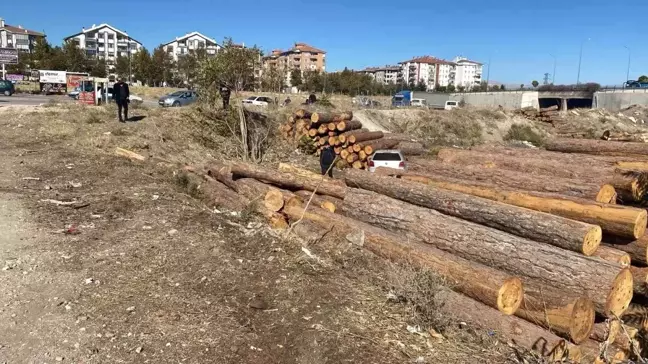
(20, 29)
(95, 27)
(428, 60)
(191, 35)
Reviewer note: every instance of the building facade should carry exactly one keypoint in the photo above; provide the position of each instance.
(302, 57)
(188, 42)
(428, 70)
(105, 42)
(387, 75)
(18, 37)
(469, 73)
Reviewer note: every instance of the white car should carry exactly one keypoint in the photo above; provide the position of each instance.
(387, 158)
(419, 103)
(449, 105)
(257, 101)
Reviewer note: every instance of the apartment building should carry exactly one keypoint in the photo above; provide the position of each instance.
(191, 41)
(428, 70)
(18, 37)
(468, 73)
(386, 75)
(302, 56)
(105, 41)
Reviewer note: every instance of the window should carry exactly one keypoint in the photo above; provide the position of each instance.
(387, 157)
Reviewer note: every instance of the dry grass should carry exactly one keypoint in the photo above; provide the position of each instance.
(525, 133)
(152, 93)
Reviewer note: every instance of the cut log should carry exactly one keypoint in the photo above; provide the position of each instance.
(362, 156)
(355, 132)
(302, 114)
(411, 148)
(637, 249)
(322, 184)
(612, 255)
(322, 130)
(366, 136)
(255, 191)
(539, 226)
(607, 285)
(512, 180)
(273, 200)
(601, 147)
(373, 145)
(510, 328)
(492, 287)
(616, 220)
(342, 138)
(222, 173)
(344, 154)
(349, 125)
(288, 168)
(635, 166)
(356, 148)
(212, 192)
(352, 158)
(567, 158)
(631, 186)
(313, 132)
(332, 140)
(640, 279)
(331, 126)
(324, 117)
(337, 150)
(550, 108)
(357, 165)
(606, 331)
(129, 154)
(326, 202)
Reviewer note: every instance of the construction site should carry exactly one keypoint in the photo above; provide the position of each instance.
(202, 235)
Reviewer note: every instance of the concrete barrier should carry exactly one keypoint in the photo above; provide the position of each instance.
(619, 99)
(505, 99)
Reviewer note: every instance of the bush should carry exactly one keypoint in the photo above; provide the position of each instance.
(524, 133)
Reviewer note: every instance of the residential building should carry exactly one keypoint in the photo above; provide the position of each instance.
(191, 41)
(430, 71)
(18, 37)
(302, 57)
(469, 73)
(105, 42)
(386, 75)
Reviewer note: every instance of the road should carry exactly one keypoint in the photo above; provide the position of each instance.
(32, 100)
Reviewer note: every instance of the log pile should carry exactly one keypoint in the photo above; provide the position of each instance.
(352, 144)
(547, 115)
(543, 266)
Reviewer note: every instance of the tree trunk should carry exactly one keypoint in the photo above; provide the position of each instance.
(255, 192)
(354, 132)
(512, 179)
(612, 255)
(352, 158)
(637, 249)
(567, 158)
(411, 148)
(601, 147)
(322, 184)
(510, 328)
(640, 280)
(343, 126)
(490, 286)
(212, 192)
(222, 173)
(616, 220)
(607, 285)
(539, 226)
(635, 166)
(324, 117)
(631, 186)
(365, 136)
(313, 132)
(371, 146)
(606, 331)
(288, 168)
(302, 114)
(326, 202)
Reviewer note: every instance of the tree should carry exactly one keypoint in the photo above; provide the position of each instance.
(141, 66)
(643, 78)
(75, 58)
(122, 67)
(233, 66)
(461, 88)
(98, 68)
(420, 86)
(521, 86)
(495, 88)
(502, 87)
(273, 79)
(161, 66)
(451, 88)
(312, 81)
(296, 77)
(535, 83)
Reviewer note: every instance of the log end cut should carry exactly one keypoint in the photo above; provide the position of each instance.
(510, 296)
(329, 206)
(582, 318)
(592, 240)
(607, 194)
(273, 200)
(620, 295)
(640, 224)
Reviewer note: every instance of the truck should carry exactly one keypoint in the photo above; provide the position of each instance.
(430, 100)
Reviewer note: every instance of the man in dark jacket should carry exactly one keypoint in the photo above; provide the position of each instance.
(225, 95)
(121, 95)
(326, 160)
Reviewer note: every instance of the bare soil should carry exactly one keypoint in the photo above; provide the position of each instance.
(138, 270)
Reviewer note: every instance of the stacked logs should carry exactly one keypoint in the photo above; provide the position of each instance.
(535, 267)
(351, 143)
(547, 115)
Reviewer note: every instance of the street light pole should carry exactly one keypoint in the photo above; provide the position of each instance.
(580, 60)
(553, 75)
(628, 70)
(130, 67)
(488, 73)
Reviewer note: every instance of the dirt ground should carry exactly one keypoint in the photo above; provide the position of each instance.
(131, 268)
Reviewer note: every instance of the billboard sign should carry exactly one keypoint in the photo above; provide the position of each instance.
(8, 56)
(52, 77)
(13, 77)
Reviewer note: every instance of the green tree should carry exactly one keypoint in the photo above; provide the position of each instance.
(313, 81)
(75, 58)
(141, 64)
(461, 88)
(420, 86)
(98, 68)
(296, 77)
(122, 67)
(535, 83)
(451, 88)
(232, 66)
(273, 79)
(643, 78)
(161, 66)
(502, 87)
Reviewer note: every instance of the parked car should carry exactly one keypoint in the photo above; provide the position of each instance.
(449, 105)
(419, 103)
(7, 88)
(387, 158)
(178, 98)
(257, 101)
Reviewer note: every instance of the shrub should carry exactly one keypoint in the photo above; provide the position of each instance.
(524, 133)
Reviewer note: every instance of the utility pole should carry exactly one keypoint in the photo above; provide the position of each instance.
(488, 72)
(130, 67)
(628, 70)
(553, 75)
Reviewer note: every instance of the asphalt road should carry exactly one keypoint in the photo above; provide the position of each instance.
(33, 100)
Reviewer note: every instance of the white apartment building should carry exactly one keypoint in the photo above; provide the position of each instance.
(191, 41)
(105, 41)
(429, 70)
(385, 75)
(469, 73)
(18, 37)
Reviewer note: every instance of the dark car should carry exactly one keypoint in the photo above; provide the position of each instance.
(7, 88)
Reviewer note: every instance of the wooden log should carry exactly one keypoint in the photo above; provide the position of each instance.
(567, 158)
(357, 165)
(255, 191)
(616, 220)
(322, 130)
(342, 138)
(362, 156)
(289, 168)
(539, 226)
(513, 180)
(606, 330)
(273, 200)
(212, 192)
(302, 114)
(326, 117)
(313, 132)
(491, 287)
(331, 126)
(366, 136)
(612, 255)
(332, 140)
(355, 132)
(636, 316)
(637, 249)
(331, 133)
(326, 202)
(222, 173)
(600, 147)
(337, 150)
(373, 145)
(550, 108)
(356, 148)
(349, 125)
(129, 154)
(341, 163)
(640, 280)
(352, 158)
(631, 186)
(344, 154)
(635, 166)
(322, 184)
(607, 285)
(410, 148)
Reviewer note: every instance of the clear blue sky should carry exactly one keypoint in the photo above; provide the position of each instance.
(518, 36)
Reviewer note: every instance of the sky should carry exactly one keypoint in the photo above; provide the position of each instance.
(516, 38)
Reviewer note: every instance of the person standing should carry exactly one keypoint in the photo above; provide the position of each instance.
(225, 95)
(326, 160)
(121, 95)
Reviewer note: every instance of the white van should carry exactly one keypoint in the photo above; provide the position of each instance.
(419, 102)
(449, 105)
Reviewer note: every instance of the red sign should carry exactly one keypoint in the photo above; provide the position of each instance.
(87, 98)
(74, 81)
